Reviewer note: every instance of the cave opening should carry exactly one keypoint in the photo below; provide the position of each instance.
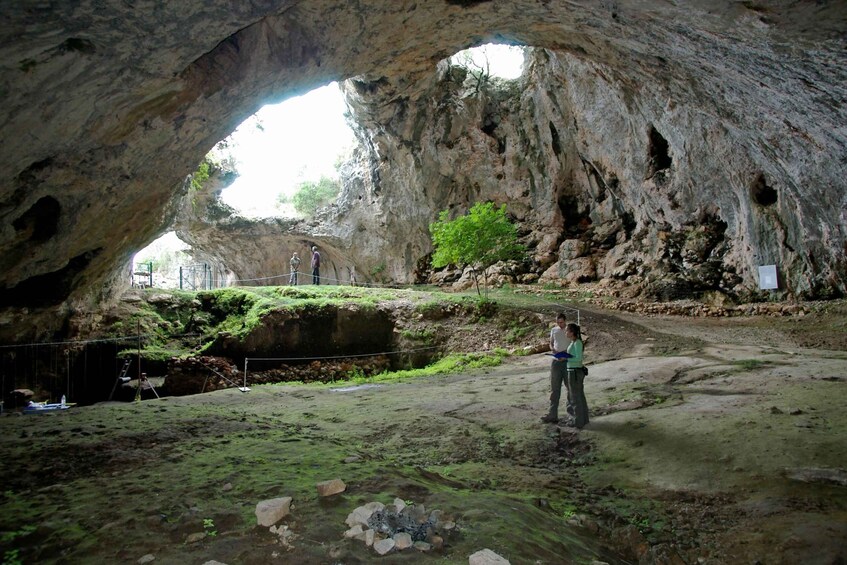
(41, 221)
(287, 156)
(659, 157)
(762, 194)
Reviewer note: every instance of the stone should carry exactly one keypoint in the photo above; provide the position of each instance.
(571, 249)
(487, 557)
(269, 512)
(331, 487)
(146, 559)
(354, 532)
(384, 546)
(370, 537)
(195, 537)
(402, 540)
(361, 514)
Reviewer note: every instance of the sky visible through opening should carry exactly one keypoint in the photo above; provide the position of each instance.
(301, 139)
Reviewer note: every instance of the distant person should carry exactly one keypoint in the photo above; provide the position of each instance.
(353, 275)
(316, 265)
(558, 368)
(295, 265)
(577, 405)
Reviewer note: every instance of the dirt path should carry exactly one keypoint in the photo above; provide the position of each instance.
(709, 443)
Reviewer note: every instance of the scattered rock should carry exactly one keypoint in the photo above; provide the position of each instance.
(195, 537)
(422, 546)
(269, 512)
(402, 540)
(354, 532)
(384, 546)
(146, 559)
(286, 536)
(487, 557)
(361, 514)
(331, 487)
(406, 525)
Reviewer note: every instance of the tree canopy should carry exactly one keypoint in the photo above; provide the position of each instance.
(480, 238)
(312, 195)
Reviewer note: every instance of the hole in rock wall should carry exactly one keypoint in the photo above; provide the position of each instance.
(75, 44)
(40, 222)
(762, 194)
(50, 288)
(659, 156)
(554, 137)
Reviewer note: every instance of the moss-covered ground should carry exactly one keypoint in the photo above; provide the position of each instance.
(715, 449)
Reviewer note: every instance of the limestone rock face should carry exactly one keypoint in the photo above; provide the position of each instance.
(638, 180)
(683, 144)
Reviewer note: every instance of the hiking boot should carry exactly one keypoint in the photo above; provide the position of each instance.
(549, 419)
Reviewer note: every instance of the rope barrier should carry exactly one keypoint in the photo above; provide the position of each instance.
(87, 341)
(309, 278)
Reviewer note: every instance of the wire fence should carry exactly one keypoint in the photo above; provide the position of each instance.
(53, 358)
(309, 278)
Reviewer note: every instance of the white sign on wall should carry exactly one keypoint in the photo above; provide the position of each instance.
(767, 277)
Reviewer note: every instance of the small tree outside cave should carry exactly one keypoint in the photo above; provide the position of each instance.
(312, 195)
(480, 238)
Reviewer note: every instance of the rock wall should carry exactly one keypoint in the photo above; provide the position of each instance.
(108, 107)
(656, 184)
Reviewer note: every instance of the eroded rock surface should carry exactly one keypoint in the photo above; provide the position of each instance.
(677, 147)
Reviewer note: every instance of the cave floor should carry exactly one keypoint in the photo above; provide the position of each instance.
(711, 441)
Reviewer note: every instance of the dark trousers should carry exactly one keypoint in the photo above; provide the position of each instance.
(316, 275)
(558, 377)
(577, 405)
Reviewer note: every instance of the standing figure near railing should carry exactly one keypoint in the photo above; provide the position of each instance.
(316, 265)
(294, 262)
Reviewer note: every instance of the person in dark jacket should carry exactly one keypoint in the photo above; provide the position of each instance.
(316, 265)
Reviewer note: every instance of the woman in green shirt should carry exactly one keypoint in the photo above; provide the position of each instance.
(576, 376)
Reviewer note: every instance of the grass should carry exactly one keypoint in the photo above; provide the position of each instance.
(424, 334)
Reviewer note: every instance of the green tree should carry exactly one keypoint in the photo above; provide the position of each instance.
(480, 238)
(312, 195)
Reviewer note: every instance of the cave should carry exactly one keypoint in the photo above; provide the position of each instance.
(624, 153)
(119, 160)
(762, 194)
